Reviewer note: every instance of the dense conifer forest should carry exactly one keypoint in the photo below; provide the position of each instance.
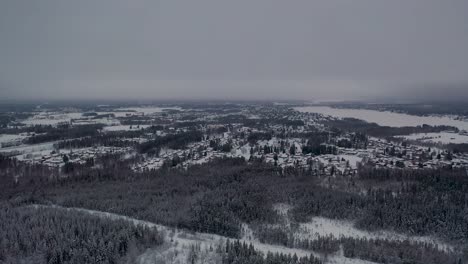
(30, 235)
(219, 196)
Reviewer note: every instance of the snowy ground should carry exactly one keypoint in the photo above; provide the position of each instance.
(51, 118)
(8, 138)
(105, 121)
(149, 110)
(353, 159)
(385, 118)
(442, 137)
(55, 118)
(125, 127)
(119, 113)
(243, 151)
(179, 243)
(26, 149)
(321, 226)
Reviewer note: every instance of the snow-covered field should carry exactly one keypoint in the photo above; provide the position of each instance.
(179, 243)
(26, 149)
(119, 113)
(4, 138)
(125, 127)
(353, 159)
(442, 137)
(243, 151)
(55, 118)
(385, 118)
(149, 110)
(47, 118)
(322, 227)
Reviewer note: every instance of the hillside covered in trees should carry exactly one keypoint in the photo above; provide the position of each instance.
(221, 196)
(52, 236)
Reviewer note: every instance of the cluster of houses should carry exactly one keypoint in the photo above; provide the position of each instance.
(56, 158)
(378, 152)
(385, 154)
(195, 153)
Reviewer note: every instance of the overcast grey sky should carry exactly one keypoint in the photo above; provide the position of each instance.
(206, 49)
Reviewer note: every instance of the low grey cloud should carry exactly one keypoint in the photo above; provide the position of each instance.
(245, 49)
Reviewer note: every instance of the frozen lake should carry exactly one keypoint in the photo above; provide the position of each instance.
(385, 118)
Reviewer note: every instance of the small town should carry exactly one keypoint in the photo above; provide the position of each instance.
(283, 145)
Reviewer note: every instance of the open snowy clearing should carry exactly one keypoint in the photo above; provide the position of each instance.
(125, 127)
(4, 138)
(26, 149)
(385, 118)
(178, 243)
(321, 226)
(353, 159)
(149, 110)
(46, 118)
(442, 137)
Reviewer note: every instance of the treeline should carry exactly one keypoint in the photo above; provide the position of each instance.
(452, 108)
(217, 145)
(35, 129)
(189, 124)
(385, 251)
(320, 201)
(173, 141)
(451, 147)
(231, 118)
(136, 121)
(256, 136)
(317, 144)
(65, 132)
(241, 253)
(107, 139)
(428, 202)
(375, 250)
(16, 176)
(321, 149)
(438, 208)
(9, 118)
(454, 177)
(456, 148)
(375, 130)
(233, 202)
(22, 181)
(357, 141)
(30, 235)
